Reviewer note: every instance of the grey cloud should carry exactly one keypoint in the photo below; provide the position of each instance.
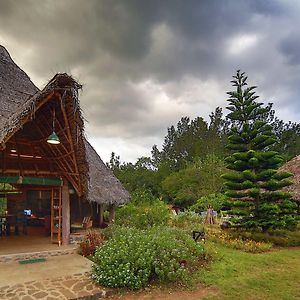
(113, 46)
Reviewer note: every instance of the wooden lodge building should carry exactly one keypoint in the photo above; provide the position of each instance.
(50, 176)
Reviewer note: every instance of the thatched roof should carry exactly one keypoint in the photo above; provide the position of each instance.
(293, 166)
(98, 171)
(24, 108)
(15, 89)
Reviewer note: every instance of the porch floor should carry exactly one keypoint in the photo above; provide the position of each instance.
(27, 244)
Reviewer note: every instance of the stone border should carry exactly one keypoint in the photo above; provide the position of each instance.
(33, 255)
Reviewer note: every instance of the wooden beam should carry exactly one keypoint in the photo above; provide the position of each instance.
(62, 156)
(65, 213)
(26, 118)
(101, 215)
(3, 160)
(67, 127)
(112, 213)
(31, 172)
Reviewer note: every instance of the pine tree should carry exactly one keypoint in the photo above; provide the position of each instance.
(254, 183)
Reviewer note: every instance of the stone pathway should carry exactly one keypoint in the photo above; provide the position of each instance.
(77, 286)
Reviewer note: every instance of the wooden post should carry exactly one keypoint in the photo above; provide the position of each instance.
(65, 213)
(112, 213)
(101, 215)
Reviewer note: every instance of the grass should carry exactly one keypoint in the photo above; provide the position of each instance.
(241, 275)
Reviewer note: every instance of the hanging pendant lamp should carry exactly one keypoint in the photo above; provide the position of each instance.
(53, 138)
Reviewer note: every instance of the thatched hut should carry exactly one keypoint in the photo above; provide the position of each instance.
(293, 166)
(45, 154)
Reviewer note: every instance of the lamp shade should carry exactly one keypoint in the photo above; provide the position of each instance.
(53, 139)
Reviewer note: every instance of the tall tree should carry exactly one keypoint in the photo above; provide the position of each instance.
(254, 184)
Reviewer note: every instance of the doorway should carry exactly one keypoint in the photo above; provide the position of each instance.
(38, 212)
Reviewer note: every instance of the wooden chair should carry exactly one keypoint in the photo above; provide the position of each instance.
(87, 223)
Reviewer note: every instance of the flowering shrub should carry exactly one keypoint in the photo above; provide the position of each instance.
(239, 243)
(91, 241)
(132, 257)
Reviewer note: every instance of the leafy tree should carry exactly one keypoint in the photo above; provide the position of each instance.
(288, 138)
(216, 201)
(199, 179)
(114, 162)
(254, 184)
(139, 176)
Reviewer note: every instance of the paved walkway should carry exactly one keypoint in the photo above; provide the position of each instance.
(61, 277)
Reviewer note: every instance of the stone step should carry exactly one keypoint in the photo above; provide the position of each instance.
(6, 258)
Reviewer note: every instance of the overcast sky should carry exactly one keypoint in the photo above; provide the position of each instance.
(145, 64)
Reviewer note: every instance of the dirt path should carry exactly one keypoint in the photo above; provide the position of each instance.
(167, 294)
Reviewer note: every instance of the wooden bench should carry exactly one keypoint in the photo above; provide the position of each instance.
(87, 223)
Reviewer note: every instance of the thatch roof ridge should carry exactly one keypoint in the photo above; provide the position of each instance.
(18, 100)
(293, 166)
(13, 122)
(101, 181)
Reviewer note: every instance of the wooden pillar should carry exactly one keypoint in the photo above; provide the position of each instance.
(112, 213)
(65, 213)
(101, 215)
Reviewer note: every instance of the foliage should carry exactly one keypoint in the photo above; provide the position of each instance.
(132, 257)
(183, 186)
(216, 201)
(239, 243)
(136, 176)
(288, 138)
(173, 171)
(3, 205)
(143, 211)
(199, 179)
(283, 238)
(188, 221)
(90, 242)
(3, 198)
(254, 184)
(192, 139)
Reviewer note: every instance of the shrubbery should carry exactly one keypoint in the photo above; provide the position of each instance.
(283, 238)
(238, 242)
(132, 257)
(143, 211)
(188, 220)
(90, 242)
(216, 201)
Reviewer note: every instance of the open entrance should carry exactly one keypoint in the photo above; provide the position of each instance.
(30, 215)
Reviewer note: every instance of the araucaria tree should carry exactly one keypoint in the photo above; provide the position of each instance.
(254, 183)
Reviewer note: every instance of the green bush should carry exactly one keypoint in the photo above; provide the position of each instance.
(216, 201)
(132, 257)
(188, 220)
(144, 214)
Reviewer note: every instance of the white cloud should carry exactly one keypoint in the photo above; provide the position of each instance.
(241, 43)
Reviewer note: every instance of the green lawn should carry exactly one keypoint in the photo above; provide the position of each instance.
(240, 275)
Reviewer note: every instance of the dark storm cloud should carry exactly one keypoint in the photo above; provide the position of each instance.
(144, 64)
